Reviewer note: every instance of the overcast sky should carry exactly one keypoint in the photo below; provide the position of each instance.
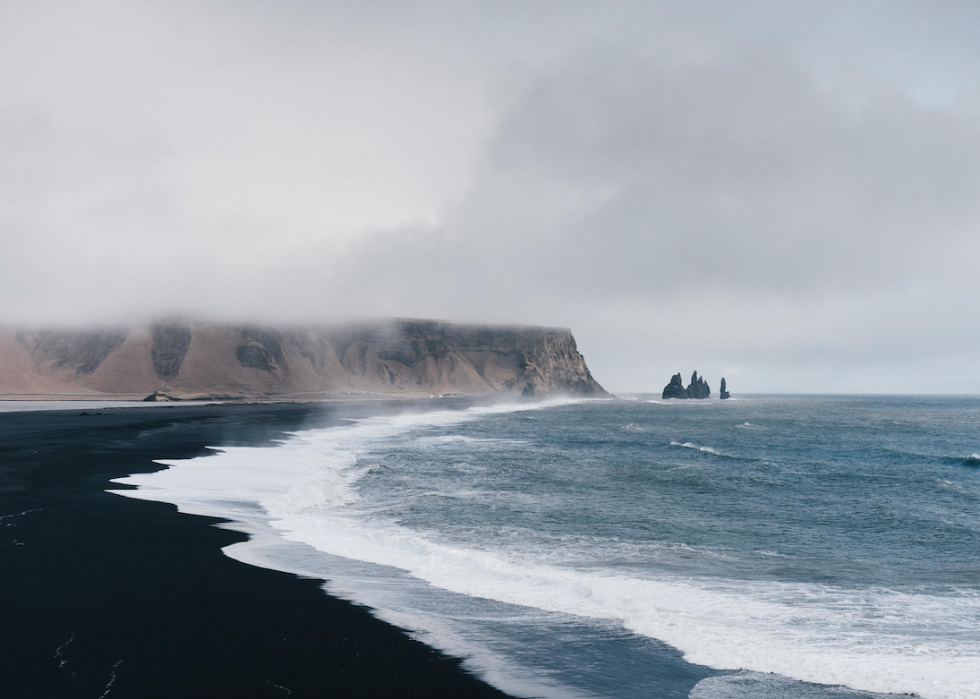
(786, 194)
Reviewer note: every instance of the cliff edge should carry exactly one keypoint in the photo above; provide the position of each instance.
(398, 358)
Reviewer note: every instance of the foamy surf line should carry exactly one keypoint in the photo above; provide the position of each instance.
(313, 471)
(306, 490)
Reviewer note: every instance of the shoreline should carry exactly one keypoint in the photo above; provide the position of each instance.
(104, 594)
(258, 399)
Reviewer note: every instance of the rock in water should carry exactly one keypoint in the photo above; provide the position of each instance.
(723, 392)
(675, 389)
(698, 388)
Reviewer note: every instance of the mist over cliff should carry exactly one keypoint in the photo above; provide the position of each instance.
(391, 358)
(784, 194)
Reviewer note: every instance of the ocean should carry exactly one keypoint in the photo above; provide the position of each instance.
(766, 546)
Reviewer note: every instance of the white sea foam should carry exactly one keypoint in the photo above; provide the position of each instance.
(457, 439)
(757, 685)
(870, 639)
(694, 402)
(691, 445)
(683, 402)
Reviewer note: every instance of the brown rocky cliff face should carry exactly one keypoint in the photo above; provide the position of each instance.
(400, 357)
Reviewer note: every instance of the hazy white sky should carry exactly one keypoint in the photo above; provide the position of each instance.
(783, 193)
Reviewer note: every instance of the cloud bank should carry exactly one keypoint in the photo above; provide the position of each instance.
(699, 196)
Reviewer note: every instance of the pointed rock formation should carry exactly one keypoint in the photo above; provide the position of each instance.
(675, 389)
(698, 388)
(723, 391)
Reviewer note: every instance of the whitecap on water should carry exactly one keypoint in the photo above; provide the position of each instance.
(691, 445)
(757, 685)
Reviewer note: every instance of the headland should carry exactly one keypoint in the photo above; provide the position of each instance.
(392, 359)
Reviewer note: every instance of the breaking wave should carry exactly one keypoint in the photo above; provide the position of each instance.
(307, 490)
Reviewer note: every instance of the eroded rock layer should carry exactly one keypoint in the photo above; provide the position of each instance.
(188, 360)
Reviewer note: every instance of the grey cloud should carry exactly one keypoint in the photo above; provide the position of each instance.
(832, 235)
(612, 171)
(686, 186)
(748, 169)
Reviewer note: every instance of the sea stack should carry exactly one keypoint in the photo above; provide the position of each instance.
(697, 389)
(675, 389)
(723, 391)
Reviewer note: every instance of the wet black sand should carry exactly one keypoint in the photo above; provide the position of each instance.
(102, 595)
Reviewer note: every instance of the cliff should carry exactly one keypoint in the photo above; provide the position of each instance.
(386, 358)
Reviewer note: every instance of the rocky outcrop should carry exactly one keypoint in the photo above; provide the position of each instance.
(698, 388)
(170, 344)
(385, 358)
(723, 393)
(82, 352)
(159, 397)
(675, 389)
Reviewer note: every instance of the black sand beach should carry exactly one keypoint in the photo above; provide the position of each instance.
(104, 596)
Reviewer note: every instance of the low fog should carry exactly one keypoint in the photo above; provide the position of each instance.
(784, 194)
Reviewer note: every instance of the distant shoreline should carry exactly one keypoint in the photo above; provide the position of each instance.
(268, 399)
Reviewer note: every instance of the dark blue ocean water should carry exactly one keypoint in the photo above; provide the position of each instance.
(638, 547)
